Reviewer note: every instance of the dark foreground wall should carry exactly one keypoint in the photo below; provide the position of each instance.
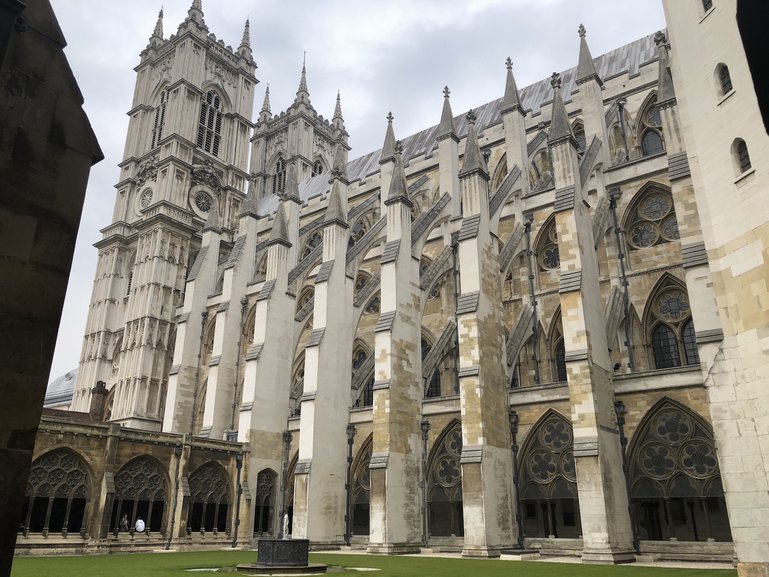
(47, 149)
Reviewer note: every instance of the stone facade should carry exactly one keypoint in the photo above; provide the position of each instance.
(477, 338)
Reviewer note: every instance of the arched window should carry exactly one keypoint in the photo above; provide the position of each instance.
(160, 119)
(741, 156)
(361, 362)
(373, 305)
(209, 499)
(361, 281)
(260, 273)
(707, 4)
(288, 493)
(560, 361)
(500, 172)
(548, 256)
(444, 484)
(307, 294)
(279, 178)
(361, 489)
(140, 491)
(210, 123)
(672, 334)
(724, 79)
(652, 219)
(129, 283)
(297, 387)
(358, 230)
(313, 241)
(674, 477)
(317, 168)
(549, 480)
(650, 129)
(264, 506)
(541, 170)
(58, 490)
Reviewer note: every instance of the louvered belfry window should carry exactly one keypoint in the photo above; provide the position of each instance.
(210, 124)
(160, 120)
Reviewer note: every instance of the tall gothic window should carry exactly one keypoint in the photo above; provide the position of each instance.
(279, 178)
(579, 134)
(160, 119)
(549, 480)
(652, 220)
(209, 499)
(58, 491)
(548, 256)
(140, 491)
(673, 337)
(288, 493)
(317, 168)
(724, 79)
(210, 123)
(363, 369)
(315, 240)
(650, 129)
(444, 484)
(265, 497)
(674, 476)
(361, 489)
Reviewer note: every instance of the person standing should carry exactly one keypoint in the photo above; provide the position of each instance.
(140, 525)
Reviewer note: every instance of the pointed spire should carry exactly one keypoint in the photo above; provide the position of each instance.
(195, 12)
(249, 206)
(388, 149)
(279, 232)
(266, 113)
(292, 184)
(586, 68)
(446, 128)
(302, 94)
(335, 213)
(212, 222)
(473, 161)
(338, 120)
(158, 32)
(339, 168)
(560, 129)
(511, 100)
(665, 90)
(399, 191)
(245, 42)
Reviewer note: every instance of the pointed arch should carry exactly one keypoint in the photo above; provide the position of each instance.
(674, 476)
(210, 498)
(288, 491)
(548, 480)
(297, 386)
(578, 129)
(58, 495)
(557, 350)
(212, 106)
(649, 127)
(444, 483)
(264, 502)
(141, 491)
(361, 488)
(546, 246)
(500, 172)
(668, 325)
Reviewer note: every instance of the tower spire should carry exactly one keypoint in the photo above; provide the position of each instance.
(266, 114)
(560, 129)
(338, 120)
(473, 158)
(586, 68)
(195, 12)
(302, 94)
(245, 41)
(279, 232)
(157, 33)
(388, 149)
(398, 188)
(510, 101)
(446, 127)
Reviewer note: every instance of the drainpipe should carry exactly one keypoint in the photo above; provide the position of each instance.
(424, 426)
(532, 296)
(614, 195)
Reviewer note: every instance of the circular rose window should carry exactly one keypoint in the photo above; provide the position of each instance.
(203, 201)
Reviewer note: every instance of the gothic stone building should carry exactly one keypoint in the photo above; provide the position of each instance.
(497, 332)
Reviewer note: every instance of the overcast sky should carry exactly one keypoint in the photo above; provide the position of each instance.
(381, 54)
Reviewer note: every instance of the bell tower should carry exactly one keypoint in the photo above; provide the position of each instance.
(186, 156)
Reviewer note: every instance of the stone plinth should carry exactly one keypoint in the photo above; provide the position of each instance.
(283, 556)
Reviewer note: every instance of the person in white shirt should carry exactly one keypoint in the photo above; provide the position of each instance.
(140, 525)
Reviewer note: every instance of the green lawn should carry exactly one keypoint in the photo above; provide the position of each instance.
(174, 565)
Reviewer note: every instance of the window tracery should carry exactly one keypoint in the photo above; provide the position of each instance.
(653, 220)
(140, 491)
(264, 503)
(673, 338)
(279, 178)
(160, 119)
(314, 240)
(675, 479)
(541, 170)
(361, 489)
(548, 256)
(209, 498)
(58, 491)
(651, 129)
(444, 484)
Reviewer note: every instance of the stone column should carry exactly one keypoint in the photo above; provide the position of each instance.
(395, 503)
(606, 529)
(487, 466)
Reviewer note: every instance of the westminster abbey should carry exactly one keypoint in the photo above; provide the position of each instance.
(504, 332)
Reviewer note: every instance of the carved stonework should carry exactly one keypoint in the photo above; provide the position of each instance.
(148, 170)
(206, 174)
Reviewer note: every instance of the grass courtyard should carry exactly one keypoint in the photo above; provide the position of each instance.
(180, 564)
